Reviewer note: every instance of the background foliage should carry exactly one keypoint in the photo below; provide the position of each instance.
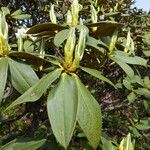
(124, 110)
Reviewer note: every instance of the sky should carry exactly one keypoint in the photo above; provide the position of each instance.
(145, 4)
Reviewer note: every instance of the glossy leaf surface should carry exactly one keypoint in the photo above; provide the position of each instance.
(89, 116)
(105, 28)
(62, 106)
(22, 76)
(45, 27)
(134, 60)
(97, 44)
(125, 67)
(97, 74)
(36, 91)
(30, 58)
(23, 144)
(61, 37)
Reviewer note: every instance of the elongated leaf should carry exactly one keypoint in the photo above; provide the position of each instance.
(143, 91)
(21, 16)
(36, 91)
(89, 116)
(131, 97)
(146, 51)
(105, 28)
(46, 34)
(130, 60)
(97, 44)
(62, 108)
(17, 12)
(22, 76)
(125, 67)
(23, 144)
(97, 74)
(3, 76)
(107, 144)
(30, 58)
(112, 14)
(34, 58)
(45, 27)
(108, 24)
(60, 37)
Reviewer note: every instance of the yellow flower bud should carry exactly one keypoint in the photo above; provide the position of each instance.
(93, 17)
(4, 47)
(69, 18)
(79, 51)
(52, 15)
(113, 42)
(69, 46)
(75, 12)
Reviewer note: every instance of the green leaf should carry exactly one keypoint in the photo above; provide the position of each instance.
(30, 58)
(46, 34)
(5, 11)
(143, 91)
(36, 91)
(127, 84)
(28, 46)
(112, 14)
(3, 76)
(62, 106)
(22, 76)
(146, 51)
(107, 144)
(147, 82)
(22, 16)
(131, 97)
(60, 37)
(105, 28)
(122, 56)
(97, 74)
(146, 106)
(125, 67)
(97, 44)
(23, 144)
(89, 116)
(144, 124)
(143, 127)
(17, 12)
(45, 27)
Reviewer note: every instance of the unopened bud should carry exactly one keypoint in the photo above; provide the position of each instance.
(69, 46)
(75, 12)
(69, 18)
(81, 43)
(93, 17)
(52, 15)
(4, 47)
